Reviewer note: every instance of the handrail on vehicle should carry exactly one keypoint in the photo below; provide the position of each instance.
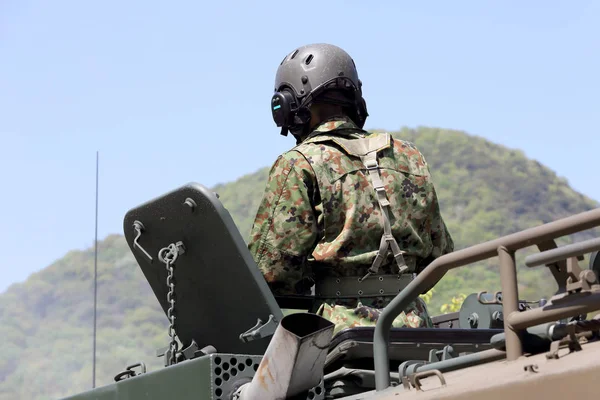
(505, 248)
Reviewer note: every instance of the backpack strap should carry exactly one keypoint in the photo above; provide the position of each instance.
(366, 149)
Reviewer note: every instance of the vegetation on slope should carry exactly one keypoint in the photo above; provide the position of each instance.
(485, 191)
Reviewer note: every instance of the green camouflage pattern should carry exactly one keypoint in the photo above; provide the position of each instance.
(319, 215)
(365, 313)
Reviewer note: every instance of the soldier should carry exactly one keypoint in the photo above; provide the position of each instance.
(353, 213)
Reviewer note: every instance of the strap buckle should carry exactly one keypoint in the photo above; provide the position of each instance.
(371, 164)
(370, 272)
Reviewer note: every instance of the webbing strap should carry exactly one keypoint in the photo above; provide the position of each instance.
(387, 240)
(366, 149)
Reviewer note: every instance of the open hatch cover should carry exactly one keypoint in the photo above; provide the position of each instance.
(219, 291)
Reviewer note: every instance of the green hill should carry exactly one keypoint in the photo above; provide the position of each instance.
(485, 190)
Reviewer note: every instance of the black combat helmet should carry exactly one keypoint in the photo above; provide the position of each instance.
(316, 72)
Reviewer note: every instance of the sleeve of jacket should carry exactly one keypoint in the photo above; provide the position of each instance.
(441, 239)
(440, 236)
(285, 230)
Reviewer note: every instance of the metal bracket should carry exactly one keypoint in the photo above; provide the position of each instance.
(139, 228)
(441, 355)
(405, 382)
(531, 368)
(129, 372)
(193, 351)
(189, 353)
(497, 299)
(415, 379)
(571, 339)
(260, 330)
(578, 279)
(408, 367)
(191, 204)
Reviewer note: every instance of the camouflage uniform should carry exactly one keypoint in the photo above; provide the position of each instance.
(320, 217)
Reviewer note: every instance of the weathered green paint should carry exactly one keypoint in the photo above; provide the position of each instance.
(209, 377)
(187, 380)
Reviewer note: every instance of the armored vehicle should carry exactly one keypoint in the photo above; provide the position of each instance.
(229, 339)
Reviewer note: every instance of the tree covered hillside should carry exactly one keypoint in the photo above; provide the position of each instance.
(485, 191)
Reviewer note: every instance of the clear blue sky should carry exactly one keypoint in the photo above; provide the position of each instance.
(175, 93)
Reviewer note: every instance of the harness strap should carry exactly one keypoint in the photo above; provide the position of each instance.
(366, 149)
(387, 240)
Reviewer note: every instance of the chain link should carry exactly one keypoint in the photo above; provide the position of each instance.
(168, 255)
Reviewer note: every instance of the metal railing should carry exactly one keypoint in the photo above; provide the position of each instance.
(505, 248)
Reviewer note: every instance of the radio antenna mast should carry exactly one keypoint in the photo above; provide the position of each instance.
(95, 277)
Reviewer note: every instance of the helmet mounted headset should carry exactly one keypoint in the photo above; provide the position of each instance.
(315, 73)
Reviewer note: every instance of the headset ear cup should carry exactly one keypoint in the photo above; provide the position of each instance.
(283, 108)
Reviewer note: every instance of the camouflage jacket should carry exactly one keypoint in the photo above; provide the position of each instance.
(319, 214)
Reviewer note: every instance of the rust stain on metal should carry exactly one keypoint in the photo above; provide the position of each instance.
(260, 373)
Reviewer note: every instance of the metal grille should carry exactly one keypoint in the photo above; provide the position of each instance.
(230, 371)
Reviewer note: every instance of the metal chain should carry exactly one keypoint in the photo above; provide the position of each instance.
(168, 255)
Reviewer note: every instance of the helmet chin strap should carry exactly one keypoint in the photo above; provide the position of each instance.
(301, 126)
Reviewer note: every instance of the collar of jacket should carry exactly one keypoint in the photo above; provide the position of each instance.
(340, 125)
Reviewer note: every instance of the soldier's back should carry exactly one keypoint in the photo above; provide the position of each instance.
(349, 212)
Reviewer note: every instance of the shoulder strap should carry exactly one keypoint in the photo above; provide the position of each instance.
(360, 147)
(366, 149)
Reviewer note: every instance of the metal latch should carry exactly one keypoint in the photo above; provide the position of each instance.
(139, 228)
(193, 351)
(260, 330)
(129, 372)
(415, 379)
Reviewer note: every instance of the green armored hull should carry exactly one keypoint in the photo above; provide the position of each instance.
(230, 340)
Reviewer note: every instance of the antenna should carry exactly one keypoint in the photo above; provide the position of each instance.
(95, 277)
